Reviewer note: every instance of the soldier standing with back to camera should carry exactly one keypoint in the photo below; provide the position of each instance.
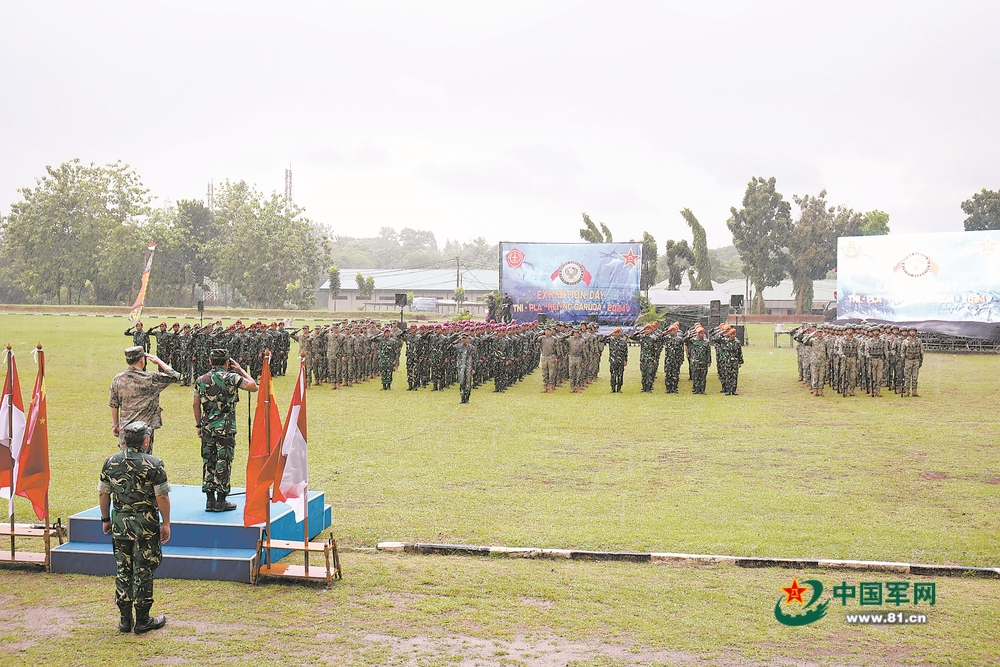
(215, 396)
(136, 483)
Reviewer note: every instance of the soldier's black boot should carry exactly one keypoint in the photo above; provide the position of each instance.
(221, 505)
(143, 622)
(210, 503)
(126, 622)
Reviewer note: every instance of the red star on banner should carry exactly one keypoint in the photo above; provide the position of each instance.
(631, 258)
(794, 592)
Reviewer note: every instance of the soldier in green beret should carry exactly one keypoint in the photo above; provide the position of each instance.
(136, 483)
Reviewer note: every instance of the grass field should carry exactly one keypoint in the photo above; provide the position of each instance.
(773, 472)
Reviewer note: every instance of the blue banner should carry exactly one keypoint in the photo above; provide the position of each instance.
(952, 277)
(570, 281)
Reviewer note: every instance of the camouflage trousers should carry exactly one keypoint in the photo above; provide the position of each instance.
(671, 375)
(911, 374)
(550, 369)
(699, 373)
(135, 562)
(576, 371)
(617, 375)
(217, 462)
(818, 374)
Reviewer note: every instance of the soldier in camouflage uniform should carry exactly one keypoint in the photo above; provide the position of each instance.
(387, 359)
(465, 353)
(215, 396)
(730, 357)
(135, 394)
(136, 484)
(649, 354)
(912, 352)
(817, 344)
(548, 346)
(673, 357)
(700, 359)
(140, 338)
(617, 359)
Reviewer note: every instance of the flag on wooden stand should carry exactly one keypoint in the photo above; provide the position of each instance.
(287, 467)
(265, 438)
(33, 460)
(140, 300)
(11, 431)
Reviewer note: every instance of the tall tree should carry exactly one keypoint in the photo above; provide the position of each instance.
(648, 274)
(983, 211)
(333, 273)
(265, 245)
(591, 234)
(701, 276)
(876, 224)
(678, 258)
(812, 244)
(760, 232)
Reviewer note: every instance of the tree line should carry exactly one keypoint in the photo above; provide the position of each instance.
(79, 236)
(768, 244)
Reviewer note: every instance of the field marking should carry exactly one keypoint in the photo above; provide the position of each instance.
(689, 559)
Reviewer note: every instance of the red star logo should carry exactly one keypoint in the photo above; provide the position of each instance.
(631, 258)
(794, 592)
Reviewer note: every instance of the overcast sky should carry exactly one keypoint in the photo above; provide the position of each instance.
(507, 120)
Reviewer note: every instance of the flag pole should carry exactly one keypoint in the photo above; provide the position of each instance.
(47, 538)
(10, 439)
(305, 501)
(267, 438)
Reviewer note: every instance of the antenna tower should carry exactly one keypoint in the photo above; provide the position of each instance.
(288, 186)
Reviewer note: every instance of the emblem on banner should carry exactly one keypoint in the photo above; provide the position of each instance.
(852, 250)
(916, 264)
(630, 258)
(515, 258)
(571, 273)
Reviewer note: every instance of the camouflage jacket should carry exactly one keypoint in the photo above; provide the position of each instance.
(136, 394)
(133, 480)
(219, 391)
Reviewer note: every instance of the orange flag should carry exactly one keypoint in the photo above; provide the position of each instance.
(33, 461)
(264, 438)
(287, 466)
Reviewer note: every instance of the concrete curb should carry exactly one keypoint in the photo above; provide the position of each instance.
(691, 559)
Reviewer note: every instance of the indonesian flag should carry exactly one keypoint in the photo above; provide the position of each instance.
(264, 439)
(287, 467)
(140, 300)
(32, 481)
(11, 432)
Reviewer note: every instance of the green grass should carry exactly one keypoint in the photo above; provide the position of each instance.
(773, 472)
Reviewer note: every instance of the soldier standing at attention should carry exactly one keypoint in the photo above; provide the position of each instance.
(135, 394)
(849, 362)
(912, 352)
(817, 371)
(215, 396)
(673, 357)
(617, 359)
(137, 485)
(387, 359)
(465, 358)
(700, 360)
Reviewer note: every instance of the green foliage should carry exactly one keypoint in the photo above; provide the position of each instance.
(591, 234)
(678, 258)
(369, 287)
(410, 248)
(983, 211)
(648, 274)
(333, 273)
(701, 276)
(812, 245)
(461, 315)
(760, 232)
(409, 298)
(459, 295)
(726, 264)
(263, 244)
(876, 223)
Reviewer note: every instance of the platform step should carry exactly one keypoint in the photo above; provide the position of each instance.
(178, 562)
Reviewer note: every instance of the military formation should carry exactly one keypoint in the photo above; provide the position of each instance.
(695, 345)
(186, 349)
(869, 356)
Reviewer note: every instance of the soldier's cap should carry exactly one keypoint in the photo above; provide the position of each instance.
(218, 356)
(163, 324)
(187, 326)
(134, 354)
(175, 324)
(135, 432)
(617, 330)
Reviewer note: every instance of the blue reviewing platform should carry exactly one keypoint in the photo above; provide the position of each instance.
(203, 545)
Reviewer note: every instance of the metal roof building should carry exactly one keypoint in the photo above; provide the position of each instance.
(436, 284)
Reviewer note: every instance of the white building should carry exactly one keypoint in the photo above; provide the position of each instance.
(437, 284)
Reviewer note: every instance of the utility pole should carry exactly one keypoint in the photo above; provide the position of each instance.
(210, 198)
(288, 187)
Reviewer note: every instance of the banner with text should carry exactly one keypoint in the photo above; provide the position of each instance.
(570, 281)
(952, 277)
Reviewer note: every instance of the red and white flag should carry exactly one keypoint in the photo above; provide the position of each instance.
(288, 466)
(32, 476)
(140, 300)
(264, 439)
(11, 431)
